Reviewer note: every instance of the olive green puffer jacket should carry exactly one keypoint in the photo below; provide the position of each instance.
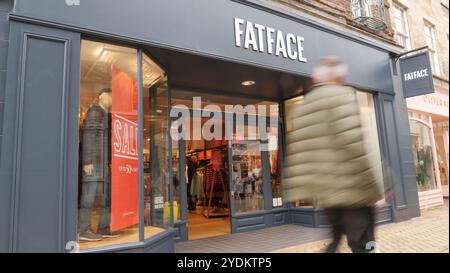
(327, 155)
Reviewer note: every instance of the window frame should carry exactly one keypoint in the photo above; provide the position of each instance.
(140, 53)
(405, 24)
(430, 39)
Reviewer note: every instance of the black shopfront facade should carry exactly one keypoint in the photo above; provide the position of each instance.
(61, 53)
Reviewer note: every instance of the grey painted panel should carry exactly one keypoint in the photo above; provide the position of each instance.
(6, 5)
(166, 246)
(249, 228)
(2, 88)
(384, 215)
(251, 221)
(181, 25)
(242, 223)
(7, 152)
(180, 231)
(303, 218)
(39, 156)
(41, 118)
(4, 26)
(279, 218)
(2, 106)
(393, 152)
(4, 55)
(322, 219)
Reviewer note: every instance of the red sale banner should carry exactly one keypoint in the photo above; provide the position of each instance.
(124, 142)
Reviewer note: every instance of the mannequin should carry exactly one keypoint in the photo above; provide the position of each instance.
(193, 165)
(216, 175)
(96, 168)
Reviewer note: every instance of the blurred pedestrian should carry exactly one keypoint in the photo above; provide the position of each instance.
(328, 158)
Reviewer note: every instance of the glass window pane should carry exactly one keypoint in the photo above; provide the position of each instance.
(247, 176)
(275, 167)
(156, 149)
(423, 155)
(176, 180)
(108, 183)
(370, 128)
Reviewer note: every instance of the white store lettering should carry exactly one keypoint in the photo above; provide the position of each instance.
(126, 140)
(416, 75)
(259, 38)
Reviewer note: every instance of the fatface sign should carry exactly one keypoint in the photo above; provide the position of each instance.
(417, 76)
(268, 40)
(275, 42)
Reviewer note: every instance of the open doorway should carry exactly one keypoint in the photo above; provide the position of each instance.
(223, 174)
(207, 189)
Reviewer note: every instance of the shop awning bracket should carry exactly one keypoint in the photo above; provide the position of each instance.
(397, 57)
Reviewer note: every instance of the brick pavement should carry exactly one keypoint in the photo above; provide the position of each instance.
(428, 233)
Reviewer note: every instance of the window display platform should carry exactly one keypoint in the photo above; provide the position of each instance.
(214, 213)
(130, 235)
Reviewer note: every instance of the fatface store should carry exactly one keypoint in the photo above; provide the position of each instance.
(116, 91)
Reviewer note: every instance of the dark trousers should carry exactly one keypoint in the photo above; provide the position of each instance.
(90, 192)
(357, 223)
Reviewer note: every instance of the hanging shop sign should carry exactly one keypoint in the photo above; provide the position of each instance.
(417, 76)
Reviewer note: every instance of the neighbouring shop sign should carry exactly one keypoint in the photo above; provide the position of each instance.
(436, 103)
(417, 76)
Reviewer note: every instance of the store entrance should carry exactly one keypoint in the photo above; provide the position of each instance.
(208, 198)
(249, 166)
(228, 168)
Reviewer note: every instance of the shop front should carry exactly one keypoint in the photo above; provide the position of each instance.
(428, 118)
(131, 126)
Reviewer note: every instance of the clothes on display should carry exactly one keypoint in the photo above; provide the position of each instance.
(216, 192)
(96, 174)
(214, 177)
(207, 182)
(191, 171)
(273, 158)
(196, 189)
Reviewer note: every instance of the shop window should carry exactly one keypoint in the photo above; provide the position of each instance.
(247, 176)
(275, 167)
(176, 178)
(109, 152)
(421, 139)
(369, 123)
(245, 166)
(157, 208)
(108, 184)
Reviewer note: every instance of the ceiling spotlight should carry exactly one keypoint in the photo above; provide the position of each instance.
(248, 83)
